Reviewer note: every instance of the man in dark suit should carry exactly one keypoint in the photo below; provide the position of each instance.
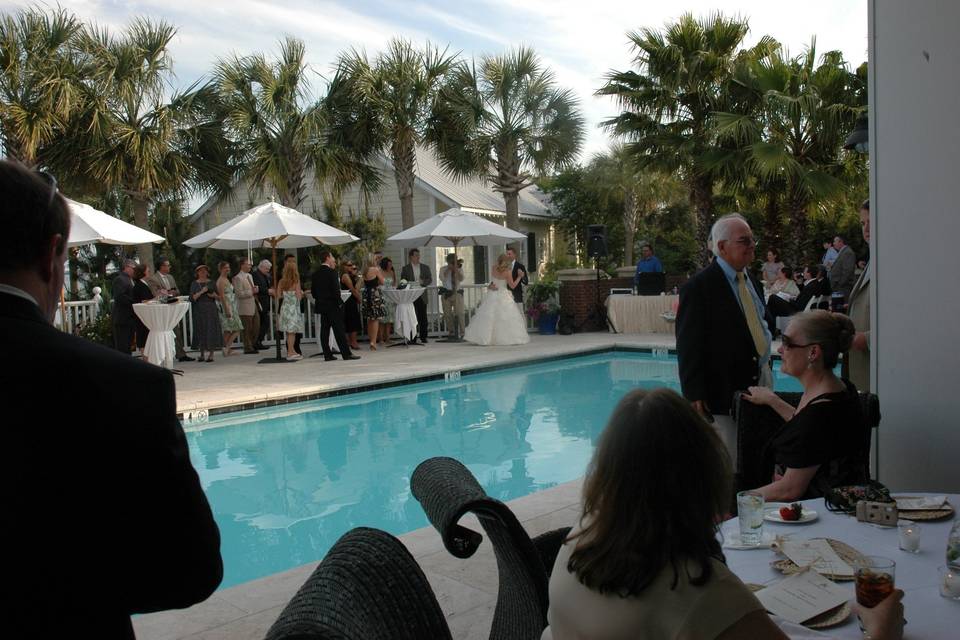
(106, 516)
(843, 273)
(815, 284)
(420, 274)
(519, 273)
(124, 320)
(723, 343)
(325, 287)
(264, 283)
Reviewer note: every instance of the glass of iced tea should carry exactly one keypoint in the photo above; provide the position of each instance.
(875, 579)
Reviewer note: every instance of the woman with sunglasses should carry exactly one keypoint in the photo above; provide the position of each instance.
(825, 441)
(352, 323)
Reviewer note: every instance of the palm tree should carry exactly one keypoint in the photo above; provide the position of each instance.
(37, 94)
(506, 121)
(394, 95)
(129, 137)
(639, 193)
(680, 80)
(791, 128)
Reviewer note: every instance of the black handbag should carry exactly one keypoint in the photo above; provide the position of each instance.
(844, 499)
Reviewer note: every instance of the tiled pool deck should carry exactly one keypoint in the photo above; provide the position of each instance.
(466, 589)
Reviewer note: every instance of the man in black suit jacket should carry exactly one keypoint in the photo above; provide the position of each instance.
(720, 349)
(325, 287)
(124, 320)
(264, 282)
(518, 272)
(815, 284)
(419, 273)
(105, 514)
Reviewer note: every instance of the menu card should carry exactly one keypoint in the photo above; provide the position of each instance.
(818, 555)
(928, 502)
(802, 596)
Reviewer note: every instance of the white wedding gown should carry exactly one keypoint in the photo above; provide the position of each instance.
(497, 321)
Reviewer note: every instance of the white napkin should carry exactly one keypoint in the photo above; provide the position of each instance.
(926, 502)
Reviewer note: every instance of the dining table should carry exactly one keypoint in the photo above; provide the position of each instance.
(405, 316)
(161, 319)
(641, 314)
(928, 614)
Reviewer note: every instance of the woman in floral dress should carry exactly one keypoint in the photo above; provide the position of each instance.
(291, 321)
(389, 282)
(373, 307)
(229, 309)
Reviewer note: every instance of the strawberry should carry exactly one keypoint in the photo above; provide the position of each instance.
(791, 513)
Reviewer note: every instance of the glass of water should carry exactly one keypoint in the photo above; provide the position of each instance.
(750, 514)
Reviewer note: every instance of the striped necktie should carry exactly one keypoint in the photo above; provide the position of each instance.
(750, 313)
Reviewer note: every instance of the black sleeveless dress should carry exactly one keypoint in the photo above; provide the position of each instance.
(351, 313)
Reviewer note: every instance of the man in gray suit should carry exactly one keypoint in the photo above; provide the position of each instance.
(412, 272)
(843, 272)
(162, 283)
(123, 316)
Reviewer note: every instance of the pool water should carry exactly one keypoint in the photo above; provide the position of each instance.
(286, 482)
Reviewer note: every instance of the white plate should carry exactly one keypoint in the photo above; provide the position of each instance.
(771, 513)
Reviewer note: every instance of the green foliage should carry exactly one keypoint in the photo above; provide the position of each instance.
(99, 331)
(559, 263)
(542, 298)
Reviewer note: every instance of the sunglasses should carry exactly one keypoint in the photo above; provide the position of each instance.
(50, 182)
(788, 343)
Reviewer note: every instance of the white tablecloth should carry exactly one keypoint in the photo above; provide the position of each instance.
(640, 314)
(161, 319)
(405, 316)
(928, 614)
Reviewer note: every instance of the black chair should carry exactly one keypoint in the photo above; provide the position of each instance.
(368, 587)
(447, 490)
(756, 425)
(651, 284)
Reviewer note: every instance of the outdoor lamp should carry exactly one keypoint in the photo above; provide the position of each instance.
(859, 138)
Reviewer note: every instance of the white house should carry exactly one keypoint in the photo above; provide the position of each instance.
(434, 192)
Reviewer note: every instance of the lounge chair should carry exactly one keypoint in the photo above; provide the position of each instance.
(368, 587)
(447, 490)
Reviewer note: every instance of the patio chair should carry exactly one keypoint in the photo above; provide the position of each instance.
(447, 490)
(757, 424)
(368, 587)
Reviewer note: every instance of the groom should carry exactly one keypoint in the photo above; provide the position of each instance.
(519, 273)
(328, 304)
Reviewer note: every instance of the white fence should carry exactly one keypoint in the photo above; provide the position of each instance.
(86, 310)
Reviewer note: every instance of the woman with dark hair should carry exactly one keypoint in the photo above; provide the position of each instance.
(771, 268)
(389, 282)
(644, 560)
(825, 441)
(352, 322)
(207, 332)
(784, 286)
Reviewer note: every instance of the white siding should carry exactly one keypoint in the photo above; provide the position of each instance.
(914, 137)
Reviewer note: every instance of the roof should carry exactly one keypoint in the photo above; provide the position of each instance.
(473, 194)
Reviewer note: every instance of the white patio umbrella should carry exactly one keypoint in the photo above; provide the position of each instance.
(454, 228)
(270, 225)
(89, 225)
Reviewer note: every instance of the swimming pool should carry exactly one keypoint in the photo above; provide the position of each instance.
(286, 482)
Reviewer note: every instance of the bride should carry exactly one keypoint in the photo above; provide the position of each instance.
(498, 321)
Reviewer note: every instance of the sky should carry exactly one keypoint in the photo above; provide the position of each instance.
(579, 40)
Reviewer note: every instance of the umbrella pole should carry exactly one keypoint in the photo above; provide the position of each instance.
(274, 313)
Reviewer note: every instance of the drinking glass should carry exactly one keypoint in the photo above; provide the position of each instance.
(876, 577)
(750, 514)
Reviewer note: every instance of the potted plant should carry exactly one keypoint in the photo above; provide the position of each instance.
(542, 306)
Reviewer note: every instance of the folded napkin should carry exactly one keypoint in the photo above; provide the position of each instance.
(926, 502)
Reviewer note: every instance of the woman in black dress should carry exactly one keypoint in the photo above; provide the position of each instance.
(825, 441)
(351, 308)
(373, 308)
(141, 293)
(207, 333)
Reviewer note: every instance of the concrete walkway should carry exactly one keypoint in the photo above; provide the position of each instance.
(466, 589)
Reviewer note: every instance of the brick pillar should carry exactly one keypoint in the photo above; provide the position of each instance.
(578, 295)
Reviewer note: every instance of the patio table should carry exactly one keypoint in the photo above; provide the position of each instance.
(161, 319)
(405, 316)
(640, 314)
(928, 614)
